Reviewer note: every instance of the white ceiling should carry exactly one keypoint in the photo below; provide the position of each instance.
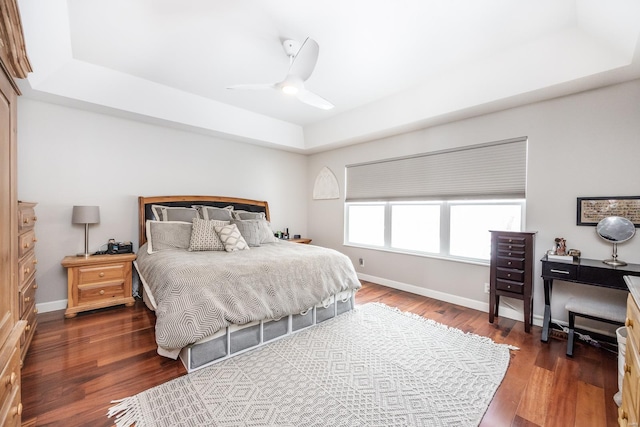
(388, 66)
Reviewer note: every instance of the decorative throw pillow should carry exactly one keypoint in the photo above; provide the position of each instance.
(240, 215)
(204, 236)
(231, 238)
(266, 232)
(256, 231)
(218, 214)
(162, 235)
(250, 231)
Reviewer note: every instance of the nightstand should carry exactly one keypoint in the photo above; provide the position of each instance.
(300, 240)
(98, 281)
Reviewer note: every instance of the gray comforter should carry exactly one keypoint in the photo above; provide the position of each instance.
(199, 293)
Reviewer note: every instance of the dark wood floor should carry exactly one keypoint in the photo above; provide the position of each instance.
(75, 367)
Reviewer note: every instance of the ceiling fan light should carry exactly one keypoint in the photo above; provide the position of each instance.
(290, 89)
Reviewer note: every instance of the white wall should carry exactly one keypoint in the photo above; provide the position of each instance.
(72, 157)
(582, 145)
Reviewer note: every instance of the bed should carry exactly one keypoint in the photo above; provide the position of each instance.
(221, 284)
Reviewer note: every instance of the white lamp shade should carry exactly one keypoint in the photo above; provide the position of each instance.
(85, 215)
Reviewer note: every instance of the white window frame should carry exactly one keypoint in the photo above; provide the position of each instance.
(445, 212)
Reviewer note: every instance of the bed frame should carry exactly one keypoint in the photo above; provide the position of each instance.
(237, 339)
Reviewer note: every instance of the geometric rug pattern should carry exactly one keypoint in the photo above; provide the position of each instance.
(372, 366)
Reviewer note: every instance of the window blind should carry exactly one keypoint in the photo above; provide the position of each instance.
(489, 170)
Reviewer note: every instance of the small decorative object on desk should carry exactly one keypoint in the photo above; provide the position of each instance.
(561, 246)
(560, 252)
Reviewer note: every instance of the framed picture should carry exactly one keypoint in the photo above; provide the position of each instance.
(592, 209)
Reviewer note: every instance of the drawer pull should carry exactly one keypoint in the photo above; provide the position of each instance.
(508, 274)
(101, 274)
(35, 261)
(35, 218)
(11, 380)
(628, 323)
(17, 411)
(26, 220)
(27, 299)
(34, 240)
(28, 328)
(510, 240)
(26, 245)
(35, 310)
(101, 291)
(509, 253)
(27, 270)
(509, 263)
(35, 286)
(553, 270)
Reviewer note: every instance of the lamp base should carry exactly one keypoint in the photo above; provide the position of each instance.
(614, 262)
(84, 255)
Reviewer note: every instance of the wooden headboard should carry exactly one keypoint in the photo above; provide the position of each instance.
(145, 213)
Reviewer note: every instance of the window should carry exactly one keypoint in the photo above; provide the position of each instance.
(415, 227)
(441, 203)
(366, 224)
(470, 223)
(450, 229)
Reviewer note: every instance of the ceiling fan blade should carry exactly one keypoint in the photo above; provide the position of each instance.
(253, 86)
(314, 100)
(305, 60)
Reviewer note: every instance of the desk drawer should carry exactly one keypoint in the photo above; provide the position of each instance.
(559, 270)
(517, 263)
(510, 274)
(509, 286)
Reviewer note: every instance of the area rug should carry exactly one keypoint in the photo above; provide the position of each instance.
(373, 366)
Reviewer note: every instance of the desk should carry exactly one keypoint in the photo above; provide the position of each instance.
(584, 271)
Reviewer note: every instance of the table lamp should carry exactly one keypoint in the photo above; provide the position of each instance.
(86, 215)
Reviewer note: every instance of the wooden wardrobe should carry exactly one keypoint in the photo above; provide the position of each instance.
(13, 64)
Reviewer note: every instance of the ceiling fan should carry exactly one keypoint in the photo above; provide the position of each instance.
(302, 61)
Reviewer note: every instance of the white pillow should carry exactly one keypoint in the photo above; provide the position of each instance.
(162, 235)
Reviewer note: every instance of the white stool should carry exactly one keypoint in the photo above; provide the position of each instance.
(613, 312)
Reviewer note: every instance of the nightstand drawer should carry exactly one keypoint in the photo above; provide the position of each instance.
(26, 242)
(26, 268)
(509, 286)
(510, 274)
(27, 296)
(101, 273)
(88, 294)
(517, 263)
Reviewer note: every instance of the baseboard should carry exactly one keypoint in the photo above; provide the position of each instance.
(452, 299)
(46, 307)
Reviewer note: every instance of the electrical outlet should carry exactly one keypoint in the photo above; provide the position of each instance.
(361, 262)
(486, 288)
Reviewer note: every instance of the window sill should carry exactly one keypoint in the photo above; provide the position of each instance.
(422, 255)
